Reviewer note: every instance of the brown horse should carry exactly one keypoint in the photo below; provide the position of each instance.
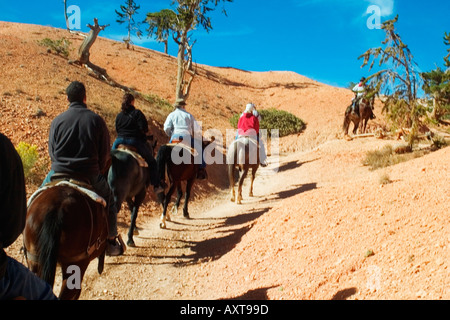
(65, 226)
(243, 155)
(359, 121)
(177, 172)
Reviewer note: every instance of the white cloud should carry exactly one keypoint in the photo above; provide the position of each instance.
(386, 6)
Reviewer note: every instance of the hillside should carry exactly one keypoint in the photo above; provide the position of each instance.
(307, 231)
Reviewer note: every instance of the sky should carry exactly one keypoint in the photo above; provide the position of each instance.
(320, 39)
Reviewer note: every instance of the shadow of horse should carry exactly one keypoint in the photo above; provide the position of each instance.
(67, 227)
(129, 181)
(243, 154)
(359, 121)
(177, 173)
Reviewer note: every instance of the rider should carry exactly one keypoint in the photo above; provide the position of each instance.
(15, 279)
(360, 91)
(248, 125)
(79, 145)
(181, 125)
(132, 129)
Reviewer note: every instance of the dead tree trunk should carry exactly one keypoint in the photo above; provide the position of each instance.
(83, 52)
(183, 86)
(83, 58)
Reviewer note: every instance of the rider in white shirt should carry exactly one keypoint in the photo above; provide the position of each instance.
(359, 90)
(181, 125)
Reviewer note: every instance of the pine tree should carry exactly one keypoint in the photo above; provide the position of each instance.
(437, 86)
(189, 16)
(399, 81)
(127, 16)
(161, 24)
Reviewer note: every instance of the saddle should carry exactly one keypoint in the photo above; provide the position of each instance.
(133, 152)
(243, 138)
(178, 143)
(78, 185)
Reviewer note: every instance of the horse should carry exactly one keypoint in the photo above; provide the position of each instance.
(128, 180)
(65, 226)
(177, 173)
(366, 113)
(240, 156)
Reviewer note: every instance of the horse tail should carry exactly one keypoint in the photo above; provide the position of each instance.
(346, 123)
(49, 238)
(114, 168)
(162, 158)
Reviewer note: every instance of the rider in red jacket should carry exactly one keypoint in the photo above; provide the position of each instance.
(248, 126)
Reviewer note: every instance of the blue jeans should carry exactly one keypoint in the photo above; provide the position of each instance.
(21, 282)
(203, 165)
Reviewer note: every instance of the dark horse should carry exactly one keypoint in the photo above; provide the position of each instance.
(65, 226)
(177, 173)
(129, 181)
(359, 121)
(243, 154)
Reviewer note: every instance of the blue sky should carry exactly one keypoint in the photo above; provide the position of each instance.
(320, 39)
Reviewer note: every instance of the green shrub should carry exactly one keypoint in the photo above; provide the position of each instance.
(29, 155)
(61, 46)
(271, 119)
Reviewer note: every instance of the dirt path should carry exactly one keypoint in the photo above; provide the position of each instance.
(165, 263)
(171, 264)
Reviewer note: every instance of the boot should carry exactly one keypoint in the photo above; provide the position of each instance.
(114, 248)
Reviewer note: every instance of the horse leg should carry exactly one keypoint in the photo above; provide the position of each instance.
(253, 179)
(355, 129)
(187, 195)
(231, 180)
(164, 215)
(72, 278)
(138, 199)
(177, 202)
(241, 182)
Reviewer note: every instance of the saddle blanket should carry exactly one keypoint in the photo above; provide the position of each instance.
(243, 139)
(184, 146)
(91, 194)
(135, 155)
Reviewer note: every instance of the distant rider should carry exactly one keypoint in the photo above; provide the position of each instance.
(248, 125)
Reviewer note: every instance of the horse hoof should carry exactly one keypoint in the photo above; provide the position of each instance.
(162, 225)
(186, 216)
(251, 195)
(131, 244)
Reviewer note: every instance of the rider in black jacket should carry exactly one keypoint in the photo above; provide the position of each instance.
(79, 145)
(132, 129)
